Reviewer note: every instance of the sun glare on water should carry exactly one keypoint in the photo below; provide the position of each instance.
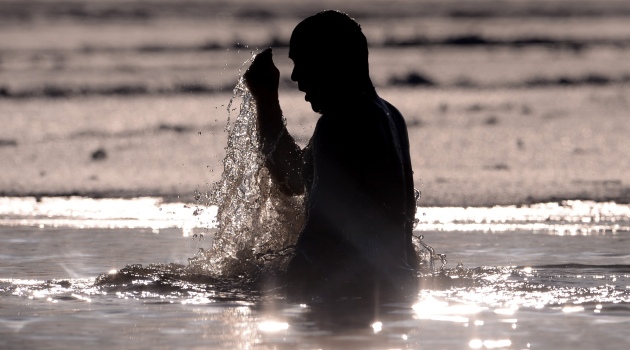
(570, 218)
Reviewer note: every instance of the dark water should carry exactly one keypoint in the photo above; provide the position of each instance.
(528, 281)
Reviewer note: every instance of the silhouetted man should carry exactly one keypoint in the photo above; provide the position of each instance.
(355, 172)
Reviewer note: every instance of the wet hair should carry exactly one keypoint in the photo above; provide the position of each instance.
(332, 38)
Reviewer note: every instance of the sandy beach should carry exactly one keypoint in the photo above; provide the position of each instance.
(508, 104)
(114, 118)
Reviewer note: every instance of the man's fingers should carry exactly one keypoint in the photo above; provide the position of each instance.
(262, 59)
(262, 75)
(265, 55)
(262, 66)
(266, 52)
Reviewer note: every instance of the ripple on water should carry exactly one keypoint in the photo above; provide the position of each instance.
(505, 287)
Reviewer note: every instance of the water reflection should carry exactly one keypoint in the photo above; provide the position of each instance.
(483, 314)
(482, 307)
(569, 218)
(431, 308)
(272, 326)
(377, 326)
(107, 213)
(489, 344)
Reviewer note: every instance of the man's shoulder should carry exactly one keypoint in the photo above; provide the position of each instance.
(390, 108)
(362, 116)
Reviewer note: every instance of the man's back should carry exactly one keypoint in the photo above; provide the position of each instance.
(359, 197)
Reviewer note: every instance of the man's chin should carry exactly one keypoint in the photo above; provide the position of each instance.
(314, 101)
(316, 107)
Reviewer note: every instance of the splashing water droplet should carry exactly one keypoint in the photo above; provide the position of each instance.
(255, 220)
(427, 256)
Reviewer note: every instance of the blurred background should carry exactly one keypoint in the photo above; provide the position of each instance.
(507, 101)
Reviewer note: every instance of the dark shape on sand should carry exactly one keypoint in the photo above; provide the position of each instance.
(99, 155)
(194, 88)
(210, 46)
(153, 48)
(590, 79)
(468, 40)
(414, 123)
(55, 91)
(491, 120)
(8, 143)
(412, 79)
(126, 90)
(498, 166)
(175, 128)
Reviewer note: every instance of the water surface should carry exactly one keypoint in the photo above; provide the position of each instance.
(542, 276)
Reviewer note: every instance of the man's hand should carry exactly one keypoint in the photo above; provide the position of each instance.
(262, 78)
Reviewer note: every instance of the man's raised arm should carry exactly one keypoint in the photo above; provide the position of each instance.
(283, 155)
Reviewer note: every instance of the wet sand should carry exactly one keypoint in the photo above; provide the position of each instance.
(505, 103)
(468, 147)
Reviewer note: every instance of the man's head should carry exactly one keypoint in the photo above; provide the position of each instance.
(330, 57)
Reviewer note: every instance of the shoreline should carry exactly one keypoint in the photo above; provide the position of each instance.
(170, 197)
(497, 114)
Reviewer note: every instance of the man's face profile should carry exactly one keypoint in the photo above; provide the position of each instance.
(329, 54)
(311, 76)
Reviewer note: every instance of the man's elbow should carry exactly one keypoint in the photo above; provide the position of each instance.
(289, 188)
(289, 182)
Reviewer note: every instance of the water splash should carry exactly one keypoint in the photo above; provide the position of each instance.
(428, 256)
(256, 224)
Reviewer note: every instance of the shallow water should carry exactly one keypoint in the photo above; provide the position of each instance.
(542, 276)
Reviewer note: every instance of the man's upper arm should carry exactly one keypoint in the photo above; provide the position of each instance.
(284, 162)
